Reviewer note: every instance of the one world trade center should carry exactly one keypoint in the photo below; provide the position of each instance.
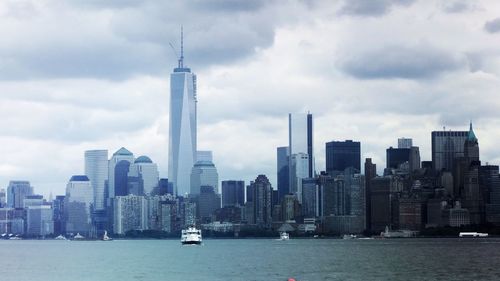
(182, 130)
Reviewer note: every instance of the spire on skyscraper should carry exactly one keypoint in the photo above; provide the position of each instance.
(181, 59)
(471, 136)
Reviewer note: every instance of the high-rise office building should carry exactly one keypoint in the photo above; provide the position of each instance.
(16, 192)
(39, 220)
(96, 169)
(398, 156)
(341, 155)
(58, 215)
(119, 166)
(300, 138)
(299, 169)
(446, 147)
(208, 202)
(204, 173)
(384, 196)
(182, 129)
(78, 205)
(143, 177)
(261, 202)
(283, 169)
(405, 143)
(233, 193)
(370, 173)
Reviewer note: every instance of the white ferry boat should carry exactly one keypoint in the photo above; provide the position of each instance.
(78, 236)
(191, 235)
(60, 237)
(284, 236)
(472, 234)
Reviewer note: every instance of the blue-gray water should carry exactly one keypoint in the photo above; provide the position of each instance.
(259, 259)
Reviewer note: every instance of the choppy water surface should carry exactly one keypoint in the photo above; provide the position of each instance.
(252, 259)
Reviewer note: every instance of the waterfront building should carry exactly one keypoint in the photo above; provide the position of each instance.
(261, 202)
(370, 173)
(39, 220)
(78, 205)
(143, 177)
(446, 147)
(183, 128)
(16, 192)
(96, 169)
(208, 201)
(58, 215)
(283, 169)
(310, 198)
(168, 216)
(204, 173)
(130, 213)
(119, 165)
(384, 195)
(229, 214)
(489, 181)
(341, 155)
(411, 213)
(233, 193)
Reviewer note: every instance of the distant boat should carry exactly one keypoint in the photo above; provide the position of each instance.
(78, 236)
(15, 238)
(397, 234)
(349, 236)
(60, 237)
(284, 236)
(105, 237)
(472, 234)
(191, 235)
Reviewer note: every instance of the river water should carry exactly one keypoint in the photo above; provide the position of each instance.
(252, 259)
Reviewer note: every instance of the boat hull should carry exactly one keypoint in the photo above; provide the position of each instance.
(191, 242)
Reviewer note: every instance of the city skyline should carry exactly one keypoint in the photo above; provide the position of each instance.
(61, 109)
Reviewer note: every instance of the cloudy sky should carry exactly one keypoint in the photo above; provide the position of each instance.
(81, 74)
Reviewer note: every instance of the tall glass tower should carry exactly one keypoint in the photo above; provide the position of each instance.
(182, 132)
(96, 169)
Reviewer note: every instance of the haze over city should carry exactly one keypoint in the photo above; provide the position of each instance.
(83, 75)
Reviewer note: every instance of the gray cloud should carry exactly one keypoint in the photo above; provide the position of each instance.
(410, 62)
(457, 6)
(371, 7)
(134, 38)
(492, 26)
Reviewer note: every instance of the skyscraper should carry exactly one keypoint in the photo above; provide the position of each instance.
(204, 173)
(182, 129)
(283, 169)
(370, 173)
(119, 165)
(446, 147)
(300, 137)
(78, 205)
(96, 169)
(299, 167)
(143, 176)
(233, 193)
(261, 201)
(16, 192)
(343, 154)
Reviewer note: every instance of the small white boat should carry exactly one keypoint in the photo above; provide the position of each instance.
(78, 236)
(60, 237)
(105, 237)
(191, 235)
(349, 236)
(284, 236)
(15, 238)
(473, 234)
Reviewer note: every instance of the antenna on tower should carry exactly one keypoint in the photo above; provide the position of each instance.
(181, 60)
